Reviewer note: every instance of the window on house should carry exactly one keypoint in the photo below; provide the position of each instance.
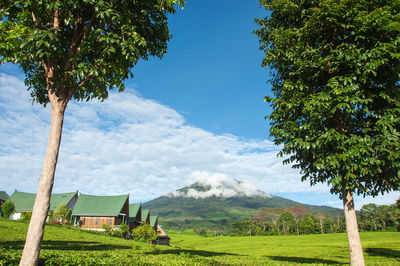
(97, 221)
(83, 221)
(109, 221)
(91, 221)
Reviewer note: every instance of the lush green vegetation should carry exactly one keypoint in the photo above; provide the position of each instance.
(297, 220)
(7, 208)
(380, 217)
(70, 246)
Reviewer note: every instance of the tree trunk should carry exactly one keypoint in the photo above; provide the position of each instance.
(321, 225)
(30, 254)
(353, 237)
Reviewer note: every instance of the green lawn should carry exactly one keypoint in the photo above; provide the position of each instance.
(68, 246)
(379, 248)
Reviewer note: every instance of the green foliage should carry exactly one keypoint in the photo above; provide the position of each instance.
(203, 232)
(62, 213)
(287, 223)
(246, 228)
(106, 227)
(51, 215)
(307, 225)
(27, 216)
(124, 230)
(93, 248)
(335, 68)
(283, 222)
(383, 217)
(7, 208)
(80, 49)
(144, 232)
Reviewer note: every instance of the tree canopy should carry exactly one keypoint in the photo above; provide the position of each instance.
(335, 68)
(89, 46)
(335, 76)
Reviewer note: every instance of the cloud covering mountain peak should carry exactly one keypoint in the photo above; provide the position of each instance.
(217, 185)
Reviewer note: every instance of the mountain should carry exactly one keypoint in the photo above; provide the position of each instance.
(218, 203)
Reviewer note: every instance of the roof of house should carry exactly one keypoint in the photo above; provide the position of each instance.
(133, 211)
(145, 213)
(24, 201)
(153, 220)
(161, 233)
(88, 205)
(3, 195)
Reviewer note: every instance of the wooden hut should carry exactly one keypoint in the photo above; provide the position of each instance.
(24, 202)
(91, 212)
(162, 237)
(135, 215)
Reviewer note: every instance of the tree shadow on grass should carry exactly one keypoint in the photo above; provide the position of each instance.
(383, 252)
(184, 252)
(303, 260)
(65, 245)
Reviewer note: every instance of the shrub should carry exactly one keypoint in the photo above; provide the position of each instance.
(203, 232)
(8, 208)
(106, 227)
(27, 216)
(115, 233)
(124, 229)
(63, 213)
(144, 232)
(51, 215)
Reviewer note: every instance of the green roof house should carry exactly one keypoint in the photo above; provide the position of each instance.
(154, 222)
(162, 237)
(24, 202)
(91, 212)
(135, 215)
(146, 216)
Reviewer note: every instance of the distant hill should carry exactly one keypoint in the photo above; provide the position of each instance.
(220, 204)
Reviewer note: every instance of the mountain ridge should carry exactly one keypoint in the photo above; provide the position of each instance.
(219, 205)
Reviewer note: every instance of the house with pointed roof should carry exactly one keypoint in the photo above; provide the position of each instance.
(162, 237)
(3, 197)
(135, 215)
(23, 202)
(145, 216)
(91, 212)
(154, 222)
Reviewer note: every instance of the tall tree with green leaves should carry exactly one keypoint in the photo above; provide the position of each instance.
(335, 79)
(76, 49)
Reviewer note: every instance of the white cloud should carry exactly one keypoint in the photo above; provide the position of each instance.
(128, 144)
(219, 185)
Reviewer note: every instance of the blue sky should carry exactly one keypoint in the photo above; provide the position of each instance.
(212, 72)
(197, 114)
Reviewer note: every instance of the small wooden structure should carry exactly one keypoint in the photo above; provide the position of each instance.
(162, 237)
(92, 212)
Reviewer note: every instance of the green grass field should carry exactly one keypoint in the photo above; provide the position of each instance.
(69, 246)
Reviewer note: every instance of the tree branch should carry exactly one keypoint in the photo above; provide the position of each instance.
(34, 19)
(80, 36)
